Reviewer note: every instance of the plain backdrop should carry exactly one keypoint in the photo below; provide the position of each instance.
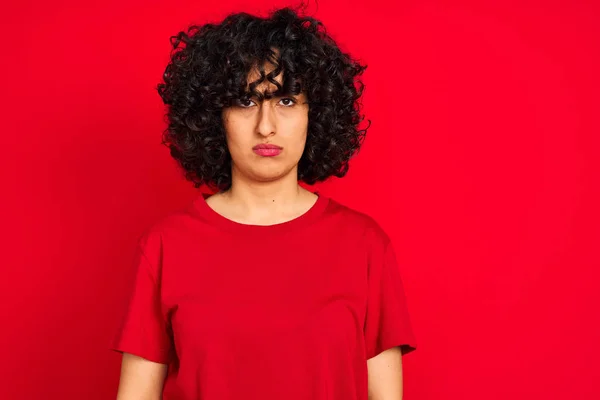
(481, 163)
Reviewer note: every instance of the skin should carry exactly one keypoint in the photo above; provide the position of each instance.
(140, 379)
(385, 375)
(264, 191)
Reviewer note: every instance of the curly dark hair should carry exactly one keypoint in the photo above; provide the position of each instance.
(207, 72)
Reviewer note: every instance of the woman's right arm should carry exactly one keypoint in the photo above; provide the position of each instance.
(141, 379)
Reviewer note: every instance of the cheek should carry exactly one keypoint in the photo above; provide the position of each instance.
(298, 132)
(237, 139)
(302, 142)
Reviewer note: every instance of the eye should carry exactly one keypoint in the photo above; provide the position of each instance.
(244, 103)
(287, 101)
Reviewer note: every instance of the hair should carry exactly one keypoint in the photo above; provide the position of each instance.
(208, 70)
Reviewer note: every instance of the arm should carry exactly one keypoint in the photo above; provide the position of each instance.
(385, 375)
(141, 379)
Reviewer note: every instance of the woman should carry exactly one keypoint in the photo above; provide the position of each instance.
(264, 290)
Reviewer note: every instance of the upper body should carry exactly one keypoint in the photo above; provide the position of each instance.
(292, 310)
(264, 290)
(286, 311)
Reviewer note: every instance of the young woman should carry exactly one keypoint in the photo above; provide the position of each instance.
(264, 290)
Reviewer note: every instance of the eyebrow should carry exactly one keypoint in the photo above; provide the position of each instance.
(269, 94)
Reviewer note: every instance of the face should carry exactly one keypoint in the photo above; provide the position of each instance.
(252, 126)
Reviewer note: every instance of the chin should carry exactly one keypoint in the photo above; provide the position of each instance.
(269, 174)
(267, 177)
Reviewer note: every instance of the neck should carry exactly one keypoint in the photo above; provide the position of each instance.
(270, 196)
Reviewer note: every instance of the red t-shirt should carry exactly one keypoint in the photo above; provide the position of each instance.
(286, 311)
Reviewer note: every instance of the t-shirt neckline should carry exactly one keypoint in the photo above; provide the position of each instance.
(237, 227)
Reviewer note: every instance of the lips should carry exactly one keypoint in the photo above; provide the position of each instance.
(267, 150)
(266, 146)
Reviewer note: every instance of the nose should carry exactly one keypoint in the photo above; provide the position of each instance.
(266, 120)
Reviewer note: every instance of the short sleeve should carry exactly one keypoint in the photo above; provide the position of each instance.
(144, 329)
(387, 321)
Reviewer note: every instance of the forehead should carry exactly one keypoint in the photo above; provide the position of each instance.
(265, 85)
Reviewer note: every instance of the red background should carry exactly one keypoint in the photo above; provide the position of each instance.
(481, 164)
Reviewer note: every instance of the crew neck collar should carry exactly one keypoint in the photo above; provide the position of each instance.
(202, 207)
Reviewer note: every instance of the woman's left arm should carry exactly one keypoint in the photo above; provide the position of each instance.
(385, 375)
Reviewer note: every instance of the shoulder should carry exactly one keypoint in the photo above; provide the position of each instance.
(358, 221)
(173, 226)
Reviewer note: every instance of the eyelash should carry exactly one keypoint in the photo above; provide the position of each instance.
(238, 102)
